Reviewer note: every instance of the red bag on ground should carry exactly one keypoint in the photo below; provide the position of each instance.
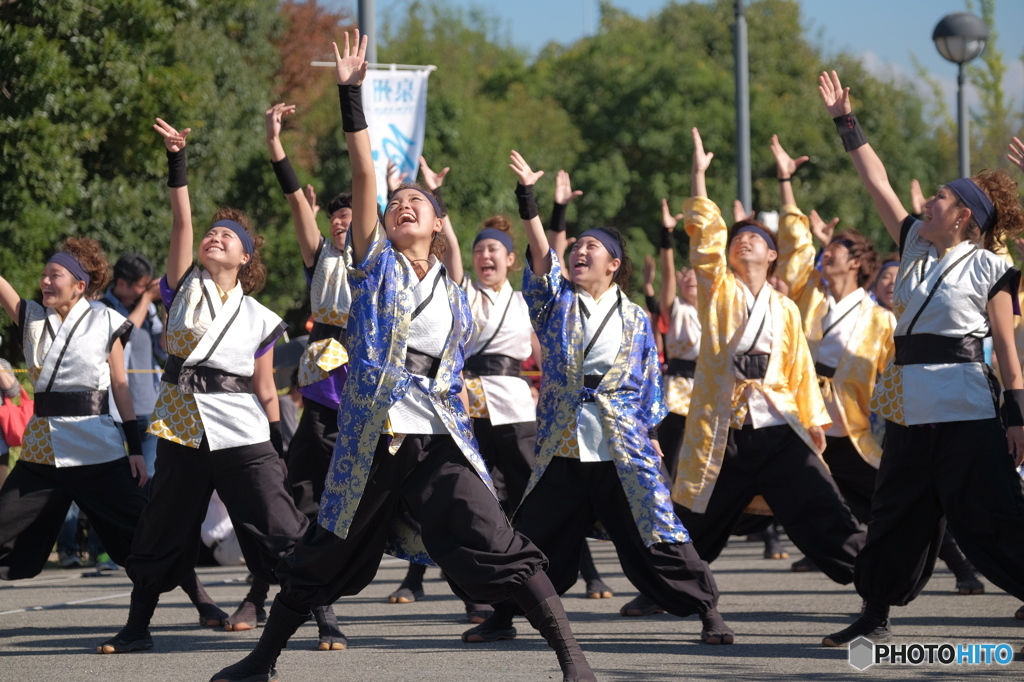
(14, 418)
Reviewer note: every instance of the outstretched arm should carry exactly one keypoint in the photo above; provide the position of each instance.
(785, 167)
(452, 257)
(10, 300)
(540, 250)
(179, 255)
(564, 195)
(350, 65)
(303, 218)
(869, 166)
(668, 259)
(701, 162)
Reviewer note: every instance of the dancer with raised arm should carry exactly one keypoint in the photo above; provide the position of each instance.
(73, 451)
(217, 412)
(755, 429)
(598, 460)
(947, 452)
(322, 367)
(404, 445)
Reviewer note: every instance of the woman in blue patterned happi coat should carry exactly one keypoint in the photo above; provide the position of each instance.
(405, 450)
(598, 468)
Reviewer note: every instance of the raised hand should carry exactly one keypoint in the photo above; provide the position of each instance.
(173, 140)
(1016, 154)
(739, 211)
(351, 63)
(650, 268)
(564, 193)
(527, 176)
(310, 195)
(785, 165)
(667, 219)
(274, 116)
(917, 199)
(821, 230)
(394, 178)
(835, 97)
(701, 160)
(431, 179)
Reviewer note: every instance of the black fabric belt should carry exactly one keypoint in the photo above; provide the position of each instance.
(72, 403)
(591, 381)
(932, 349)
(824, 370)
(492, 366)
(421, 364)
(750, 366)
(322, 330)
(681, 368)
(202, 379)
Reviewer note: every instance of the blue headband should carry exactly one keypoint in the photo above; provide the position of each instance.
(607, 239)
(430, 197)
(240, 232)
(495, 233)
(976, 200)
(759, 231)
(71, 264)
(889, 264)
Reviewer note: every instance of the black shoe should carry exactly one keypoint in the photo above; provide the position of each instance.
(123, 644)
(596, 589)
(970, 586)
(405, 595)
(240, 672)
(863, 627)
(640, 606)
(714, 630)
(804, 565)
(493, 629)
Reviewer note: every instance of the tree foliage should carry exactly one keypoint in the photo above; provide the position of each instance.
(82, 81)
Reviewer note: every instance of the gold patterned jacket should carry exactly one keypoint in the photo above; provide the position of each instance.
(790, 383)
(869, 349)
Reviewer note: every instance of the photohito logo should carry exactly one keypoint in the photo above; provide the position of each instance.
(864, 653)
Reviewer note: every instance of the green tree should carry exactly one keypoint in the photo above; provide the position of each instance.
(80, 87)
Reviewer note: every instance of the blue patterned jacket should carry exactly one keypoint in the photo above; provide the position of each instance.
(378, 333)
(629, 399)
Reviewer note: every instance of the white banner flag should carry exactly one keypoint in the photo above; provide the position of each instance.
(395, 104)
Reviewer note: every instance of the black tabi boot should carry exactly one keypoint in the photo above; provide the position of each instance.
(411, 588)
(331, 636)
(497, 626)
(543, 608)
(713, 628)
(966, 581)
(873, 624)
(250, 612)
(134, 636)
(596, 589)
(210, 615)
(258, 666)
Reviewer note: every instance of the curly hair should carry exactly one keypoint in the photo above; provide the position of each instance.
(498, 222)
(1001, 189)
(90, 254)
(863, 248)
(253, 275)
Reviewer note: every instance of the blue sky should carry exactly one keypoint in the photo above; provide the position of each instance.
(884, 32)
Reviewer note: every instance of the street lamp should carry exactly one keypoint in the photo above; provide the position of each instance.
(959, 38)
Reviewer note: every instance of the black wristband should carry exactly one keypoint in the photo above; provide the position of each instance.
(665, 238)
(1013, 407)
(437, 195)
(850, 131)
(132, 436)
(352, 118)
(653, 306)
(782, 180)
(527, 202)
(276, 439)
(177, 169)
(286, 175)
(652, 433)
(558, 217)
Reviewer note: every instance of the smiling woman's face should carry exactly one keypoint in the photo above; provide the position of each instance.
(410, 218)
(590, 262)
(491, 262)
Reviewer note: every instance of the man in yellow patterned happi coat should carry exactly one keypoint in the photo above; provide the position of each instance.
(757, 418)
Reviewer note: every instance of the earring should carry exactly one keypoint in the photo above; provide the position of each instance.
(957, 226)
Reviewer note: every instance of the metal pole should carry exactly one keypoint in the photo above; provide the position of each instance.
(964, 123)
(368, 26)
(742, 108)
